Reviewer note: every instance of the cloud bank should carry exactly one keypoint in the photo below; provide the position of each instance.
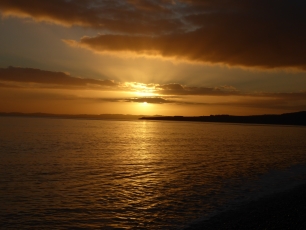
(14, 77)
(178, 89)
(30, 75)
(11, 77)
(260, 34)
(51, 86)
(122, 16)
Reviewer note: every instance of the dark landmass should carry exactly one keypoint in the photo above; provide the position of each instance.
(73, 116)
(297, 118)
(286, 210)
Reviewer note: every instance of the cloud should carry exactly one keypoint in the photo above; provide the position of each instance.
(4, 85)
(245, 47)
(151, 100)
(252, 33)
(16, 77)
(14, 81)
(282, 103)
(146, 5)
(131, 16)
(21, 78)
(30, 75)
(274, 101)
(285, 97)
(294, 101)
(178, 89)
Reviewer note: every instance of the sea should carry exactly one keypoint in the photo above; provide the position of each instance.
(139, 174)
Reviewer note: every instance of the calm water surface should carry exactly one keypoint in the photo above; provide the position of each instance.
(87, 174)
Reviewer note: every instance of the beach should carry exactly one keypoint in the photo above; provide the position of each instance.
(285, 210)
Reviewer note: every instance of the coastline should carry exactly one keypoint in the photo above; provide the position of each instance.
(284, 210)
(297, 118)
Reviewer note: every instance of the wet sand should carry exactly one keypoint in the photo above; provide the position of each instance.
(285, 210)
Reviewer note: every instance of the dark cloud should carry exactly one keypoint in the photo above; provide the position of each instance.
(29, 75)
(251, 33)
(245, 46)
(177, 89)
(277, 101)
(127, 16)
(285, 97)
(264, 34)
(152, 100)
(15, 76)
(147, 5)
(4, 85)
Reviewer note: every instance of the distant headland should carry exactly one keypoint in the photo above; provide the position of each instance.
(297, 118)
(72, 116)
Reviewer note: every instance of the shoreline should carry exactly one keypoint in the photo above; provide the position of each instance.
(297, 118)
(283, 210)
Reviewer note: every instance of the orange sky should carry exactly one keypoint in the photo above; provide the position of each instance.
(166, 57)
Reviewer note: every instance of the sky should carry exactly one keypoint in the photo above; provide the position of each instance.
(153, 57)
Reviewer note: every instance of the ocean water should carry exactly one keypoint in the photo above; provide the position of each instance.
(134, 174)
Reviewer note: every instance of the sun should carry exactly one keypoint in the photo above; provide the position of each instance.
(144, 104)
(144, 108)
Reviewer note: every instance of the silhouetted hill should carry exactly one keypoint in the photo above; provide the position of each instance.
(297, 118)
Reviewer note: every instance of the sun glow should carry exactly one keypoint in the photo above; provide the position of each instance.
(143, 108)
(145, 94)
(141, 89)
(145, 105)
